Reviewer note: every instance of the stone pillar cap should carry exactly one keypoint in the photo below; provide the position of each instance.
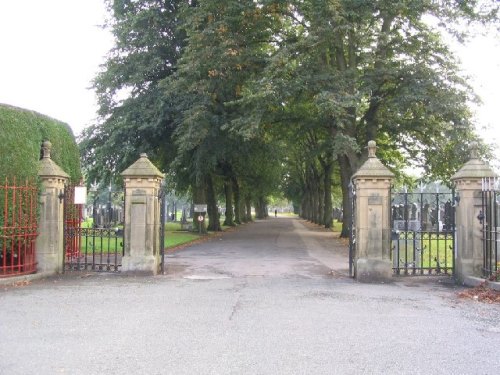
(142, 168)
(475, 168)
(46, 166)
(373, 167)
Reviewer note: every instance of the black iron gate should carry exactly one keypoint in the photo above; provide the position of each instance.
(161, 197)
(93, 235)
(352, 229)
(423, 233)
(489, 217)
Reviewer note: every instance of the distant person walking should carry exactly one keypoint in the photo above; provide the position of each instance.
(275, 213)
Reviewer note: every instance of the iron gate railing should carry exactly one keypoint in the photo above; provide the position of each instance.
(423, 233)
(489, 216)
(161, 197)
(352, 229)
(95, 245)
(18, 228)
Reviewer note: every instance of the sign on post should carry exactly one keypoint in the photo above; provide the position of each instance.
(200, 208)
(80, 195)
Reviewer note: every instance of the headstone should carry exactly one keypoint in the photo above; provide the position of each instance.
(448, 216)
(425, 217)
(414, 210)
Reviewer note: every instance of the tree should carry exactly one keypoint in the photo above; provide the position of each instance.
(375, 70)
(227, 46)
(206, 80)
(133, 116)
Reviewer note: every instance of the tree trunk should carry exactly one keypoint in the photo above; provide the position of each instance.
(303, 207)
(213, 212)
(321, 202)
(237, 200)
(316, 196)
(315, 204)
(261, 208)
(309, 194)
(310, 204)
(248, 205)
(328, 170)
(228, 191)
(345, 179)
(243, 214)
(199, 198)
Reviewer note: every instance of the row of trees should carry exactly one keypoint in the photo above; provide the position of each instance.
(243, 99)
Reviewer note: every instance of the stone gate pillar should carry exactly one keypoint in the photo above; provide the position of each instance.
(372, 260)
(469, 245)
(142, 217)
(50, 241)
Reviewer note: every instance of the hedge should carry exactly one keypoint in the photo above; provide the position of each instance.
(21, 135)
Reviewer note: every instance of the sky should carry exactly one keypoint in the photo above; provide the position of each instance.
(50, 50)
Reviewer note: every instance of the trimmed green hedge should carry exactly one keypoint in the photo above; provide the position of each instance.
(21, 135)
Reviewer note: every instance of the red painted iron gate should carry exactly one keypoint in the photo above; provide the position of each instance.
(18, 228)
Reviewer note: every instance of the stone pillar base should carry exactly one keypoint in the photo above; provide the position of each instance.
(49, 263)
(465, 268)
(373, 270)
(147, 265)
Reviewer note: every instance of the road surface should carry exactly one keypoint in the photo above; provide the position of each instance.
(271, 297)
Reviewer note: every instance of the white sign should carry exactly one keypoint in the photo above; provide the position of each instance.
(200, 218)
(80, 195)
(200, 208)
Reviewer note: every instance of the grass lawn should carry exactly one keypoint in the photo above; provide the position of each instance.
(176, 238)
(108, 243)
(337, 226)
(286, 214)
(432, 251)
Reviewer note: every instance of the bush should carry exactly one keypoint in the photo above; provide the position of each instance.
(21, 135)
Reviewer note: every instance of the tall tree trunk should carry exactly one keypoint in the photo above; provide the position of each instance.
(228, 191)
(307, 201)
(213, 212)
(309, 196)
(345, 179)
(328, 171)
(316, 195)
(261, 208)
(243, 214)
(315, 204)
(248, 205)
(302, 210)
(237, 200)
(321, 202)
(199, 197)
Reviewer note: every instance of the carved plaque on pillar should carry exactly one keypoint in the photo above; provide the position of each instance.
(374, 200)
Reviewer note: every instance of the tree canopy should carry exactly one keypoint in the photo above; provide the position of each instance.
(247, 98)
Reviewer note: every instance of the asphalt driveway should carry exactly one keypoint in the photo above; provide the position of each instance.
(271, 297)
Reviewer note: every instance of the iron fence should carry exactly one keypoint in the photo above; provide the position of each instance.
(423, 233)
(352, 229)
(489, 217)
